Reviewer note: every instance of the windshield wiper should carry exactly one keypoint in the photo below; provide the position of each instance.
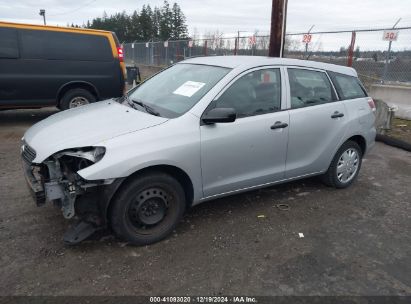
(148, 109)
(127, 98)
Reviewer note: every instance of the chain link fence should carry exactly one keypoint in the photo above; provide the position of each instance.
(369, 55)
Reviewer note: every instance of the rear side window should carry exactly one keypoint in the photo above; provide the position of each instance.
(309, 88)
(9, 46)
(64, 46)
(348, 87)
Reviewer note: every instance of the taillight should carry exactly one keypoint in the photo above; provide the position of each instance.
(120, 54)
(371, 104)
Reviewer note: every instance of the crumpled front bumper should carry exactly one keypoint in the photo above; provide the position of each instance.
(47, 185)
(34, 182)
(48, 182)
(87, 200)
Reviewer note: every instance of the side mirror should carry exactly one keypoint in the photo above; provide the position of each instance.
(217, 115)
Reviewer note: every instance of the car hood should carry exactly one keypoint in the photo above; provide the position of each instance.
(85, 126)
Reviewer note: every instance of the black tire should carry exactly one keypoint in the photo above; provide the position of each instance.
(65, 101)
(128, 214)
(330, 177)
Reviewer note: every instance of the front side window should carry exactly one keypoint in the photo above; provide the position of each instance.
(8, 43)
(348, 87)
(309, 88)
(255, 93)
(177, 89)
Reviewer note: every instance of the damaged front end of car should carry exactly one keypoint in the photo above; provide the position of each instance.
(56, 180)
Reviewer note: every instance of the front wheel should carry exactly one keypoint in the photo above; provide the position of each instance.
(147, 208)
(345, 166)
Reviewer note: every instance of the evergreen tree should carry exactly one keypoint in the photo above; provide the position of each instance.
(178, 23)
(145, 23)
(159, 23)
(135, 27)
(165, 21)
(156, 22)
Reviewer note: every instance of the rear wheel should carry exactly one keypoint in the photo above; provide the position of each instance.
(148, 208)
(75, 98)
(345, 166)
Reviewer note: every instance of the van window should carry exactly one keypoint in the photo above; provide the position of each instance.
(348, 87)
(309, 88)
(9, 47)
(64, 46)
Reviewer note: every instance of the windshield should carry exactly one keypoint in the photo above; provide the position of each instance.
(177, 89)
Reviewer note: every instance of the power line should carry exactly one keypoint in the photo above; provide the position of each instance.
(74, 10)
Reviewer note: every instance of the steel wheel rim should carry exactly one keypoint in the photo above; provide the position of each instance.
(78, 101)
(148, 209)
(347, 165)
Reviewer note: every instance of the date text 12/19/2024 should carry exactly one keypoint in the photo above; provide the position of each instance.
(201, 299)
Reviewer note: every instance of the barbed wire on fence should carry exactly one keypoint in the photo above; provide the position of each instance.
(370, 57)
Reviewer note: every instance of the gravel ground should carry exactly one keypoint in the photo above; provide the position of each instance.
(356, 241)
(400, 129)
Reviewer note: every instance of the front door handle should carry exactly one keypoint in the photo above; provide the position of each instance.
(279, 125)
(337, 114)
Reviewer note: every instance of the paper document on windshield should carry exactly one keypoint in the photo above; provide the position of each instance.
(189, 88)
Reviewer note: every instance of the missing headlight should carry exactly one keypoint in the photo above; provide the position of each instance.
(73, 163)
(78, 159)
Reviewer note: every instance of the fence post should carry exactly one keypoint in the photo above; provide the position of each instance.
(134, 55)
(351, 49)
(152, 53)
(148, 52)
(166, 46)
(205, 48)
(306, 44)
(387, 58)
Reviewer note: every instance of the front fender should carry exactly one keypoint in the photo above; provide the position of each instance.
(176, 144)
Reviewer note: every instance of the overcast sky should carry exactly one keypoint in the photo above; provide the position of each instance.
(228, 16)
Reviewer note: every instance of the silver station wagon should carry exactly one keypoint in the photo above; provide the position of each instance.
(201, 129)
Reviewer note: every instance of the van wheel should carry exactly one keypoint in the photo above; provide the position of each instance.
(345, 166)
(148, 208)
(75, 98)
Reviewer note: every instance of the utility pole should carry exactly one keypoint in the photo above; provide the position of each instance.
(43, 13)
(387, 58)
(277, 32)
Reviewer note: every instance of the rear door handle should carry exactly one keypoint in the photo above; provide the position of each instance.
(337, 114)
(279, 125)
